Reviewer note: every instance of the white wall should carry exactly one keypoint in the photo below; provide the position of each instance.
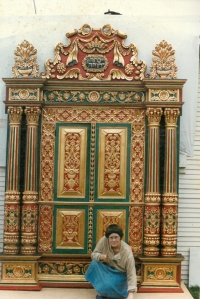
(189, 200)
(90, 7)
(44, 23)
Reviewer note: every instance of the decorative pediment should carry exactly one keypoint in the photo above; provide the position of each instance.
(95, 54)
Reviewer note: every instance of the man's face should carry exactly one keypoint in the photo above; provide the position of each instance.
(114, 240)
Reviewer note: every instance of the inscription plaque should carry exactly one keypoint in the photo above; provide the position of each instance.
(95, 63)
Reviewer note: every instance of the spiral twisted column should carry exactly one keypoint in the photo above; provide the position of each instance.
(29, 216)
(152, 196)
(12, 195)
(170, 195)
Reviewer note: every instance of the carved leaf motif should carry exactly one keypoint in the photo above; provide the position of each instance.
(73, 56)
(163, 61)
(25, 60)
(116, 74)
(25, 50)
(118, 58)
(73, 73)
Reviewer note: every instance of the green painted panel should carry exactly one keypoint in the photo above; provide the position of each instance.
(110, 155)
(78, 195)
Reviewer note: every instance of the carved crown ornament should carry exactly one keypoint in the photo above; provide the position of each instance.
(25, 61)
(95, 54)
(163, 61)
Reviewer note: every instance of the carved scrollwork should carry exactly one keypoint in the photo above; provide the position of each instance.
(95, 47)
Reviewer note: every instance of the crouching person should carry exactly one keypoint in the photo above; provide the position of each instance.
(112, 270)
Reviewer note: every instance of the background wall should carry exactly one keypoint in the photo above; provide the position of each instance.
(45, 23)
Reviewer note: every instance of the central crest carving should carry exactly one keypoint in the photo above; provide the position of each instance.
(95, 54)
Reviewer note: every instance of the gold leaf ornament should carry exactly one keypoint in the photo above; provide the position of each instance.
(73, 73)
(118, 58)
(73, 56)
(117, 74)
(25, 60)
(163, 61)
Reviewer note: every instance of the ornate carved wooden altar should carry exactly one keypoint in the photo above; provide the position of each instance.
(92, 141)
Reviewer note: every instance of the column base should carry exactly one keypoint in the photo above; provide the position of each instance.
(19, 272)
(160, 274)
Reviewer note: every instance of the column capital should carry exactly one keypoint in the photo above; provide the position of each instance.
(32, 115)
(171, 116)
(15, 115)
(154, 116)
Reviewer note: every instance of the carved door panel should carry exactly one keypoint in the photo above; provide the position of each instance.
(92, 183)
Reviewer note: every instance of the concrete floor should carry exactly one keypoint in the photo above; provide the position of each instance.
(65, 293)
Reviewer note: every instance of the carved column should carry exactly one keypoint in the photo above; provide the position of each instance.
(30, 195)
(152, 196)
(12, 195)
(170, 195)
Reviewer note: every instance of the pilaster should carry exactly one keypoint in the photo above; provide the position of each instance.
(152, 196)
(30, 194)
(12, 195)
(170, 194)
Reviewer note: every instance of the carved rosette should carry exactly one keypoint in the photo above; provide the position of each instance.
(17, 272)
(163, 61)
(164, 95)
(25, 61)
(20, 94)
(160, 273)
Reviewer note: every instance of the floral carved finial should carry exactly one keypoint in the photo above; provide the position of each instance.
(163, 61)
(25, 61)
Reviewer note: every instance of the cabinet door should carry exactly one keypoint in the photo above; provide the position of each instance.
(92, 184)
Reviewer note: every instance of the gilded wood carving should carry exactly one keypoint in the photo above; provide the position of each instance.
(97, 160)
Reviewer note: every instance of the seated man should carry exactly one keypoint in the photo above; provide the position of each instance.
(112, 270)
